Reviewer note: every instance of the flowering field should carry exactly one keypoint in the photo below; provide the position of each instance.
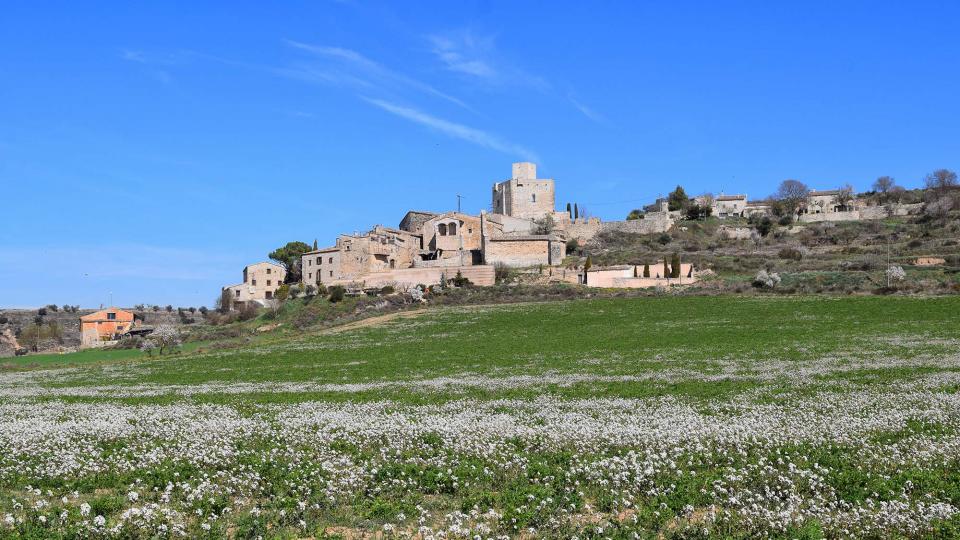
(622, 418)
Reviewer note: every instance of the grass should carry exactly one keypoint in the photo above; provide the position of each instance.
(448, 414)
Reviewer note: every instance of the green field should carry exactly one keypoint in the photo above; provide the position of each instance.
(660, 417)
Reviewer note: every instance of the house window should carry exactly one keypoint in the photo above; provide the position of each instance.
(253, 282)
(453, 229)
(111, 316)
(331, 262)
(319, 261)
(268, 271)
(310, 275)
(238, 293)
(268, 283)
(533, 197)
(331, 273)
(309, 262)
(269, 295)
(442, 229)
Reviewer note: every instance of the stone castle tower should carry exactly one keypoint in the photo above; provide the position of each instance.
(524, 195)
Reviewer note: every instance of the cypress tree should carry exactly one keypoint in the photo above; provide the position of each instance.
(666, 268)
(576, 212)
(586, 268)
(314, 244)
(569, 210)
(646, 270)
(675, 263)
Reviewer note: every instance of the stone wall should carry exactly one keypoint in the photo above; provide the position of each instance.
(482, 275)
(864, 212)
(523, 251)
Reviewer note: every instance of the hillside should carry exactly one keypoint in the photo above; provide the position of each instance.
(840, 257)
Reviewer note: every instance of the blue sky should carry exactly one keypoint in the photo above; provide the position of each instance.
(151, 149)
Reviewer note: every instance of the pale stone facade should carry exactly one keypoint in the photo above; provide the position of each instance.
(260, 283)
(524, 195)
(729, 205)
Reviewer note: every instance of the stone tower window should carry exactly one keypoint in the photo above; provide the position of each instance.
(453, 229)
(533, 197)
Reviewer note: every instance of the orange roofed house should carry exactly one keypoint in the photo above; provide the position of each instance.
(104, 325)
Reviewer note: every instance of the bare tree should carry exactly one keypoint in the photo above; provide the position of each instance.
(844, 196)
(941, 180)
(883, 185)
(792, 193)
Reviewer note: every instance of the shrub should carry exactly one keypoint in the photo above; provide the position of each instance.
(895, 274)
(337, 293)
(785, 219)
(764, 225)
(42, 312)
(53, 308)
(310, 291)
(169, 308)
(766, 280)
(461, 281)
(789, 253)
(4, 319)
(572, 245)
(501, 272)
(389, 289)
(664, 239)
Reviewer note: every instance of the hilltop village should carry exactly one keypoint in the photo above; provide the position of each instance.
(523, 229)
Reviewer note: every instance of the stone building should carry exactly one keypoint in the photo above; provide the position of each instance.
(729, 205)
(260, 283)
(354, 255)
(524, 195)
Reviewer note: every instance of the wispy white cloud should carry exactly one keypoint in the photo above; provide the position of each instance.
(452, 129)
(476, 56)
(463, 54)
(587, 111)
(354, 69)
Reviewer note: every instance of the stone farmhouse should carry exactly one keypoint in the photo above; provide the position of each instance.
(105, 327)
(260, 283)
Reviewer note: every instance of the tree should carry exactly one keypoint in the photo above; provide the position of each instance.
(569, 211)
(696, 211)
(289, 256)
(315, 244)
(646, 270)
(675, 266)
(941, 180)
(678, 200)
(883, 186)
(543, 225)
(225, 302)
(586, 269)
(576, 211)
(791, 194)
(666, 268)
(165, 337)
(636, 213)
(844, 196)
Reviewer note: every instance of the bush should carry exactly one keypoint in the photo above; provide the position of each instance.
(572, 245)
(664, 239)
(4, 319)
(785, 219)
(337, 293)
(53, 308)
(388, 289)
(460, 281)
(766, 280)
(789, 253)
(501, 272)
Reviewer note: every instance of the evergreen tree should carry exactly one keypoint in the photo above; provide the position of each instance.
(569, 210)
(315, 244)
(586, 268)
(646, 270)
(678, 200)
(666, 268)
(675, 263)
(576, 212)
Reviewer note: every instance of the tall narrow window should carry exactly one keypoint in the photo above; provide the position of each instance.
(533, 197)
(442, 229)
(453, 229)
